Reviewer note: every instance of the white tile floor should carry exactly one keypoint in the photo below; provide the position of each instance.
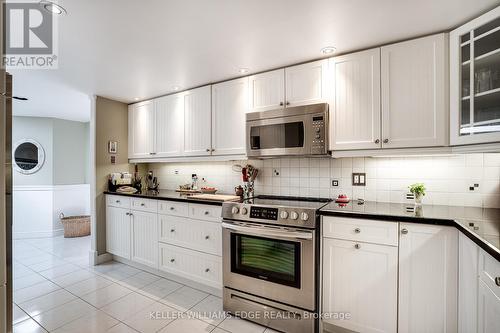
(55, 290)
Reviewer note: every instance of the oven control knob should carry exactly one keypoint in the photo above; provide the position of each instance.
(284, 214)
(294, 215)
(244, 211)
(235, 210)
(304, 216)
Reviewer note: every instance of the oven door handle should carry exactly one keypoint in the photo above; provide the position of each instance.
(268, 231)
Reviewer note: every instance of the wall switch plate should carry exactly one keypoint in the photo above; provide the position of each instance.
(358, 179)
(335, 183)
(113, 159)
(276, 172)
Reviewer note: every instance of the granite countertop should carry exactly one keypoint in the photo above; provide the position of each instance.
(482, 225)
(168, 195)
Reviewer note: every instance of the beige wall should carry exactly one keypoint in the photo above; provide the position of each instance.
(111, 124)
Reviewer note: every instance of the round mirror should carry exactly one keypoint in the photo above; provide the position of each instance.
(28, 156)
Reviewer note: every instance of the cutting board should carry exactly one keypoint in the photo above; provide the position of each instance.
(215, 197)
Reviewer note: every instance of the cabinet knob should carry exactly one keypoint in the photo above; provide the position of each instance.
(172, 208)
(207, 270)
(404, 231)
(172, 230)
(208, 149)
(357, 246)
(207, 237)
(152, 153)
(287, 103)
(377, 141)
(131, 214)
(143, 204)
(212, 149)
(207, 212)
(386, 140)
(281, 103)
(172, 260)
(497, 281)
(127, 213)
(357, 230)
(117, 201)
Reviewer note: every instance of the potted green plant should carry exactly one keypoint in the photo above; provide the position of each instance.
(418, 189)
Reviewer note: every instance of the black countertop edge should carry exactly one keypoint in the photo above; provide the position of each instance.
(421, 220)
(167, 196)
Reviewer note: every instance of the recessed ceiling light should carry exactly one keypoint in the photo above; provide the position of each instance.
(52, 7)
(243, 70)
(175, 88)
(328, 50)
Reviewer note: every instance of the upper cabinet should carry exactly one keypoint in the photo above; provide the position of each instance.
(414, 93)
(267, 90)
(141, 129)
(355, 111)
(169, 125)
(197, 122)
(475, 81)
(293, 86)
(229, 105)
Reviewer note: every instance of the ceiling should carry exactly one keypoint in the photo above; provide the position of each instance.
(126, 49)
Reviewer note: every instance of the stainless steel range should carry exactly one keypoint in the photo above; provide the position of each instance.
(271, 260)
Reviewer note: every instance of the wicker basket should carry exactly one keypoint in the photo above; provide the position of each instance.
(75, 226)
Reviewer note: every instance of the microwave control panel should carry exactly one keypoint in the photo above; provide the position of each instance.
(319, 133)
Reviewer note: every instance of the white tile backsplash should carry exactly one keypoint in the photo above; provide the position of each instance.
(447, 178)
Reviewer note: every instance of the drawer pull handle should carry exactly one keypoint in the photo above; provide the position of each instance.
(357, 246)
(172, 208)
(207, 212)
(127, 213)
(117, 201)
(143, 204)
(357, 230)
(404, 231)
(207, 270)
(497, 281)
(172, 260)
(207, 237)
(172, 230)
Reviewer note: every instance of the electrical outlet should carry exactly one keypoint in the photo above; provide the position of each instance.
(276, 172)
(176, 172)
(358, 179)
(335, 183)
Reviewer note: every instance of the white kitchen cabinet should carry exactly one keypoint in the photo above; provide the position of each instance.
(467, 285)
(118, 231)
(355, 112)
(414, 76)
(197, 122)
(169, 127)
(306, 83)
(141, 129)
(267, 91)
(361, 279)
(229, 106)
(428, 260)
(474, 67)
(144, 236)
(488, 310)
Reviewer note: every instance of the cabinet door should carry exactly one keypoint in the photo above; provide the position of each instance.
(355, 113)
(229, 105)
(414, 98)
(488, 310)
(145, 238)
(141, 129)
(267, 91)
(427, 278)
(197, 122)
(169, 125)
(118, 231)
(361, 279)
(306, 83)
(467, 284)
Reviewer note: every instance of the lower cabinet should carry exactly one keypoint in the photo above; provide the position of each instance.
(197, 266)
(361, 279)
(428, 270)
(488, 309)
(118, 231)
(144, 238)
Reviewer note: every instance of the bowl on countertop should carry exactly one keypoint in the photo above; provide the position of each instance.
(208, 190)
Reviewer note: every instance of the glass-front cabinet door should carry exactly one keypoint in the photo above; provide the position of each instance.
(475, 81)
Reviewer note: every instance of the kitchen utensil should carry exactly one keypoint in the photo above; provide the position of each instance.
(238, 190)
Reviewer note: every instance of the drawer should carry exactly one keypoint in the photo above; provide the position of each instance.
(173, 208)
(145, 205)
(489, 272)
(200, 267)
(361, 230)
(198, 235)
(117, 201)
(205, 212)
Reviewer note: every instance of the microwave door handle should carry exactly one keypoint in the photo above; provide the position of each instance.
(268, 232)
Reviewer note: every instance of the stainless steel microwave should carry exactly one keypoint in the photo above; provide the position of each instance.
(295, 131)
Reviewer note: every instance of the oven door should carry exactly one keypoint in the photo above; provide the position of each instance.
(290, 135)
(270, 262)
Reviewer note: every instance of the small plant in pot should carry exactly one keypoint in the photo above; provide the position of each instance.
(418, 189)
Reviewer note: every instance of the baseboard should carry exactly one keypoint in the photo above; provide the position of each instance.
(38, 234)
(96, 259)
